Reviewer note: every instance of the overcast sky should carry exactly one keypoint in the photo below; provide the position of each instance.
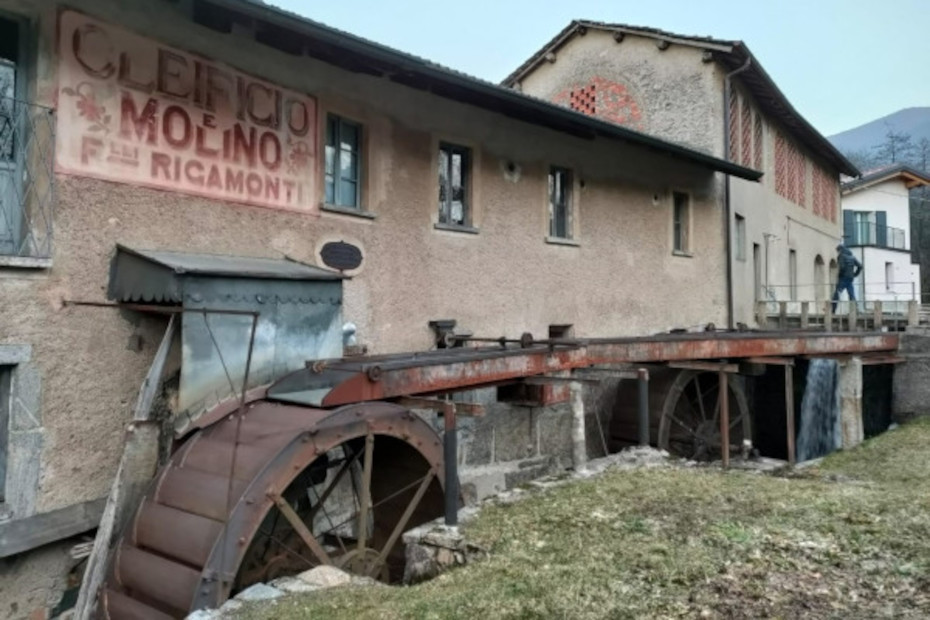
(842, 63)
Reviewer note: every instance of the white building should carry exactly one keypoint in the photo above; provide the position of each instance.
(877, 228)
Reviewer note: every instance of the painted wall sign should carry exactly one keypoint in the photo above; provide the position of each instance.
(135, 111)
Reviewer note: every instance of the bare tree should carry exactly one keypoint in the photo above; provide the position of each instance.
(896, 148)
(863, 159)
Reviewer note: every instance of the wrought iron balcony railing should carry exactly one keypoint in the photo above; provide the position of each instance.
(27, 178)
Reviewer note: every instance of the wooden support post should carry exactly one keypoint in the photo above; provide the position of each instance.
(828, 316)
(783, 315)
(913, 315)
(805, 314)
(579, 445)
(877, 317)
(724, 400)
(852, 319)
(789, 412)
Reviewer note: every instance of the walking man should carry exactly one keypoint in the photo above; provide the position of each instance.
(849, 269)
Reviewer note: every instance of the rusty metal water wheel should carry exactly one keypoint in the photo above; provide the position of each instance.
(689, 426)
(309, 487)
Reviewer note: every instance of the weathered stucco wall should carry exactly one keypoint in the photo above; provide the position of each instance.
(679, 96)
(620, 279)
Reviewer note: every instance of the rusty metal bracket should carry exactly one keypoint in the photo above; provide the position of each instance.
(414, 402)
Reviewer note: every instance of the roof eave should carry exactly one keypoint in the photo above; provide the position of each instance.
(440, 75)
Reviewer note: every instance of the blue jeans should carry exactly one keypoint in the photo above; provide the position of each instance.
(841, 285)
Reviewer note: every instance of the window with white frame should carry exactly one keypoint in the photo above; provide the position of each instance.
(560, 203)
(454, 173)
(681, 222)
(343, 162)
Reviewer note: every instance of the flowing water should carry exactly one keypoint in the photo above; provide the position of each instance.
(820, 431)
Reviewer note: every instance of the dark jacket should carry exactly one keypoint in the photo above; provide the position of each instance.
(849, 265)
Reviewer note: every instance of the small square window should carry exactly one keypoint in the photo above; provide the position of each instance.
(454, 176)
(343, 162)
(681, 222)
(740, 237)
(560, 203)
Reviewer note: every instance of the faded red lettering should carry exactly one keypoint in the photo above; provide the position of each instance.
(125, 75)
(170, 76)
(80, 40)
(272, 99)
(193, 170)
(133, 123)
(253, 184)
(214, 181)
(272, 188)
(90, 148)
(241, 145)
(161, 162)
(201, 147)
(235, 181)
(274, 161)
(298, 123)
(168, 125)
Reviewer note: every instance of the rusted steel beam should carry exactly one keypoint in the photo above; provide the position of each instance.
(874, 360)
(341, 382)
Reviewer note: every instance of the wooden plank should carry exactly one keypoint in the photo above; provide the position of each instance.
(137, 465)
(25, 534)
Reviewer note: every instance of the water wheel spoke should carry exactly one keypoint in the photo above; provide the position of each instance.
(300, 528)
(683, 425)
(332, 485)
(736, 421)
(328, 518)
(402, 523)
(274, 540)
(365, 493)
(383, 500)
(697, 386)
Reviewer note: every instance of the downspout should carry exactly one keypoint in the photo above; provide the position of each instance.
(726, 191)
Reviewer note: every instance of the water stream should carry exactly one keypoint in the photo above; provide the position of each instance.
(820, 431)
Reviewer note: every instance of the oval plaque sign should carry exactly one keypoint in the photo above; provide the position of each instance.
(341, 255)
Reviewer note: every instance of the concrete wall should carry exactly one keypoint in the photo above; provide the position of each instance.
(618, 278)
(892, 197)
(680, 97)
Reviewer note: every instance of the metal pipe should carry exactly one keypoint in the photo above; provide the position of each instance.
(789, 412)
(450, 456)
(724, 400)
(643, 379)
(157, 309)
(728, 214)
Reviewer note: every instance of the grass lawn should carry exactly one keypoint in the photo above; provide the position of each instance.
(849, 539)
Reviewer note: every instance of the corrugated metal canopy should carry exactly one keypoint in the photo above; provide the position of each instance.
(155, 275)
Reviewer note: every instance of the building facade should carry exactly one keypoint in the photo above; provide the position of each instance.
(877, 228)
(199, 135)
(714, 96)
